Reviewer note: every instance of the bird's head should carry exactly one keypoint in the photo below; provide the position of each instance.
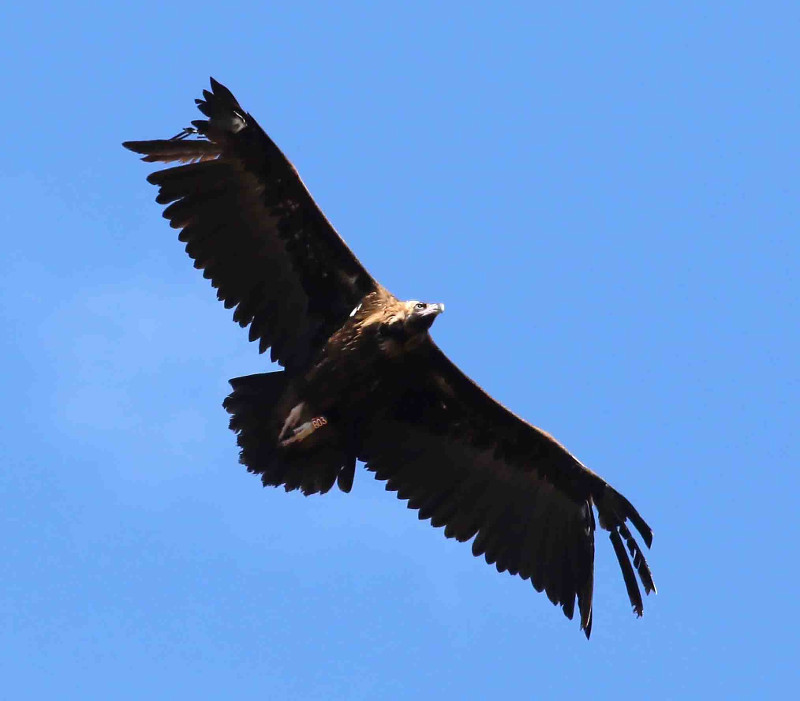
(419, 316)
(405, 324)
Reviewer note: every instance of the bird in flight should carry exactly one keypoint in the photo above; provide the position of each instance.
(363, 380)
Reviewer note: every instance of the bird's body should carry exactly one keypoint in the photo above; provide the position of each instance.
(362, 378)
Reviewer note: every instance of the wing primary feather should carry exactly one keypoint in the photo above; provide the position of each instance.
(639, 561)
(167, 150)
(634, 594)
(625, 510)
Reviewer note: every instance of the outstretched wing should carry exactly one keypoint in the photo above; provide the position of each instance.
(468, 464)
(252, 226)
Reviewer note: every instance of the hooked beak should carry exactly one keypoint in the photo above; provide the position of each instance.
(431, 311)
(426, 317)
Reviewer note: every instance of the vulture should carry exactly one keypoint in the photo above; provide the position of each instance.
(362, 380)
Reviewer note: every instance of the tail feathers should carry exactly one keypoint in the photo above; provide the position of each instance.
(614, 511)
(253, 400)
(258, 406)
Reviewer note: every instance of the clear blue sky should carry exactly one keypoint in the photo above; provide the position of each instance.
(606, 197)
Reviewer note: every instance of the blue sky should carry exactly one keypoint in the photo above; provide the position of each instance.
(606, 198)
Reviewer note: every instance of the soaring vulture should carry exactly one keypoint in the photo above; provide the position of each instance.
(362, 379)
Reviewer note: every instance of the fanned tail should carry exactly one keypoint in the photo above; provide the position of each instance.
(258, 406)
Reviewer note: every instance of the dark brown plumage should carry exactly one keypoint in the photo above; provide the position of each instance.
(363, 380)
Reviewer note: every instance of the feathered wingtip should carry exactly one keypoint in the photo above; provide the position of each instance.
(615, 510)
(224, 113)
(225, 116)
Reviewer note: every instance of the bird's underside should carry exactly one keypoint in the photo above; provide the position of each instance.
(362, 378)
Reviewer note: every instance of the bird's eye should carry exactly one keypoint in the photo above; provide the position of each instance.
(420, 305)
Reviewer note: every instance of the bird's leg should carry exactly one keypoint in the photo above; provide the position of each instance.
(291, 434)
(293, 418)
